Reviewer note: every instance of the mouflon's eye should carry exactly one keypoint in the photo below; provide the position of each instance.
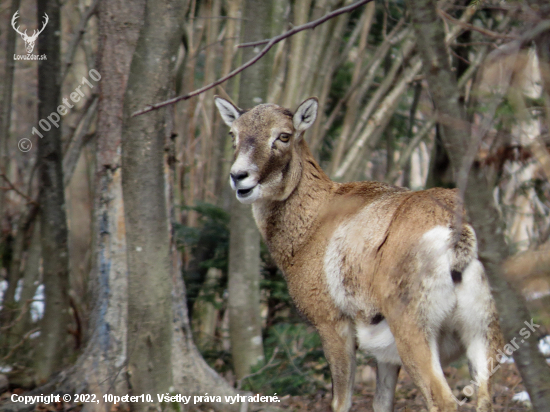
(284, 137)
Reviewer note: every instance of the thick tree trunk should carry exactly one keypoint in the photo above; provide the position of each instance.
(485, 218)
(101, 367)
(244, 241)
(52, 345)
(158, 327)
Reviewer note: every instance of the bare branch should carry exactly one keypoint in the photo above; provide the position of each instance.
(81, 29)
(77, 141)
(11, 186)
(263, 368)
(23, 339)
(263, 52)
(469, 26)
(22, 312)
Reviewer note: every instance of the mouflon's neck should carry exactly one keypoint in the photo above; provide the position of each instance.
(286, 225)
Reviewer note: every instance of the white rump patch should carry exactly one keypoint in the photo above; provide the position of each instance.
(434, 261)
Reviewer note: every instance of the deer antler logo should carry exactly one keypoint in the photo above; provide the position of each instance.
(29, 40)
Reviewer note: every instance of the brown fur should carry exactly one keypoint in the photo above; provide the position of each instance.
(380, 256)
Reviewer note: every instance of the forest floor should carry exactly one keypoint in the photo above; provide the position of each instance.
(506, 383)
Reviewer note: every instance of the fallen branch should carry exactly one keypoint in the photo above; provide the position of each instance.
(263, 52)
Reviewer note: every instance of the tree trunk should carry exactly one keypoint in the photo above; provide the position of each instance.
(244, 241)
(52, 345)
(145, 209)
(485, 218)
(5, 112)
(100, 368)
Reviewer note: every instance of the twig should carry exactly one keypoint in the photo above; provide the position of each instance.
(476, 43)
(460, 57)
(267, 365)
(469, 26)
(210, 45)
(20, 343)
(287, 351)
(22, 312)
(269, 45)
(11, 186)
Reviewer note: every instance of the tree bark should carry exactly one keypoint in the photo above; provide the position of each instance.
(100, 369)
(244, 240)
(52, 345)
(145, 209)
(456, 136)
(5, 112)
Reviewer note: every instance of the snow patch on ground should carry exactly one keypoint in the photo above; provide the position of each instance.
(522, 397)
(544, 345)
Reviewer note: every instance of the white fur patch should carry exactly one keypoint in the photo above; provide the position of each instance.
(435, 257)
(354, 242)
(472, 316)
(474, 298)
(333, 272)
(244, 163)
(378, 341)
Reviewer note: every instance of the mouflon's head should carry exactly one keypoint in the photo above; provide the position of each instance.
(267, 140)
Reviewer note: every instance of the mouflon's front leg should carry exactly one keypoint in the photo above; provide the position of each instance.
(338, 340)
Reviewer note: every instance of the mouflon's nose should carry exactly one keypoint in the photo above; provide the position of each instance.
(239, 176)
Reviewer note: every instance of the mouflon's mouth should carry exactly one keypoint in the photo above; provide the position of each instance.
(245, 192)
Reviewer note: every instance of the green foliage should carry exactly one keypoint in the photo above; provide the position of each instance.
(296, 363)
(210, 237)
(207, 245)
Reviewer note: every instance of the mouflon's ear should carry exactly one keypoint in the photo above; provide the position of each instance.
(305, 114)
(228, 110)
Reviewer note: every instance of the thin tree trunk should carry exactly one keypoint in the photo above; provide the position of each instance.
(5, 112)
(377, 123)
(355, 97)
(479, 200)
(297, 47)
(330, 62)
(143, 185)
(389, 81)
(244, 241)
(30, 284)
(224, 141)
(52, 345)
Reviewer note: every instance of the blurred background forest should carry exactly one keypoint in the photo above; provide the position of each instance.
(71, 231)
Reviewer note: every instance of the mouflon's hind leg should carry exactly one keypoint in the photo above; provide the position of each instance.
(479, 330)
(418, 349)
(338, 341)
(386, 381)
